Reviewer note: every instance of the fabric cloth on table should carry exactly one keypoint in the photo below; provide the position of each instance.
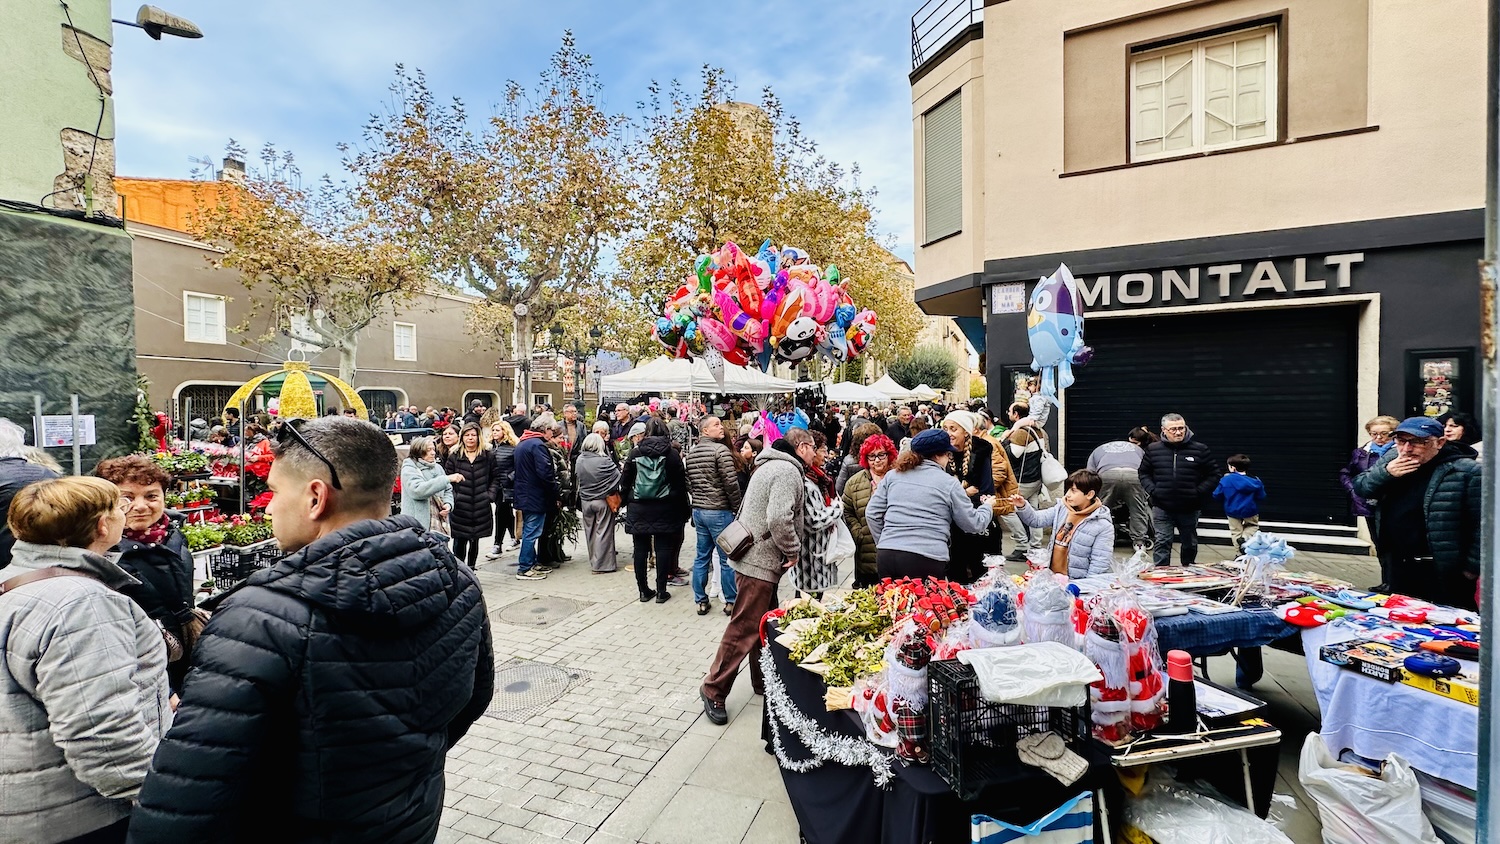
(1210, 635)
(1436, 735)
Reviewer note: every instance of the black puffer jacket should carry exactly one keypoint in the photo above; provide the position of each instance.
(1179, 477)
(324, 696)
(165, 591)
(668, 514)
(1451, 505)
(473, 516)
(505, 471)
(15, 473)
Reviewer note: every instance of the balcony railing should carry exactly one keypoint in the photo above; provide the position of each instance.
(939, 22)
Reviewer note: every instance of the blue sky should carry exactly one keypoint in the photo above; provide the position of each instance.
(306, 75)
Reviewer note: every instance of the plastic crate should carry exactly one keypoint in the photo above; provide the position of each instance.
(232, 565)
(973, 741)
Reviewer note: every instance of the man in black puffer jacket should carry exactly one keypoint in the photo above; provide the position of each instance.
(1427, 491)
(327, 690)
(1178, 473)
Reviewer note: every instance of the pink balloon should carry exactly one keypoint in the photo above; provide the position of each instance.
(718, 334)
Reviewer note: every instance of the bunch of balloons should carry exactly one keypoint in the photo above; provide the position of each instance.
(1054, 329)
(771, 305)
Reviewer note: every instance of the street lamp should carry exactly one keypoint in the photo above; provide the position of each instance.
(158, 23)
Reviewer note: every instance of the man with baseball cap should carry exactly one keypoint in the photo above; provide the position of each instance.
(1427, 492)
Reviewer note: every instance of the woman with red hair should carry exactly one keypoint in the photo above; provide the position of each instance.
(877, 454)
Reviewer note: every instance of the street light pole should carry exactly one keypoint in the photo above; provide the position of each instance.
(1488, 792)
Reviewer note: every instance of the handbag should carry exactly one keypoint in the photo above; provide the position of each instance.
(437, 521)
(735, 540)
(613, 501)
(1053, 472)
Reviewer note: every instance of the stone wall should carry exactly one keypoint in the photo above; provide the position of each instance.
(68, 326)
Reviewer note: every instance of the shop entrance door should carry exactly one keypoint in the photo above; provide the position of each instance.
(1276, 384)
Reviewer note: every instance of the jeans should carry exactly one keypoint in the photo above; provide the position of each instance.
(709, 524)
(1186, 525)
(531, 531)
(1122, 488)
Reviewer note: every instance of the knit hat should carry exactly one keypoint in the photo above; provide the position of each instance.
(637, 429)
(931, 443)
(965, 419)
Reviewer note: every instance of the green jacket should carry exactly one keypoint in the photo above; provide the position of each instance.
(857, 492)
(1451, 506)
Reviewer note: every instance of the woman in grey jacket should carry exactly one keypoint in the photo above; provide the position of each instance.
(1083, 531)
(911, 538)
(84, 699)
(598, 476)
(426, 489)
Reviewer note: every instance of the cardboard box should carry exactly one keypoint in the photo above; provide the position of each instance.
(1371, 659)
(1463, 688)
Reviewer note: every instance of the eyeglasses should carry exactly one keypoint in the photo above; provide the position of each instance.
(877, 456)
(1380, 435)
(290, 431)
(1175, 430)
(1416, 442)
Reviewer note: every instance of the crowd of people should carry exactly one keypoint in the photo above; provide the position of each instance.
(128, 708)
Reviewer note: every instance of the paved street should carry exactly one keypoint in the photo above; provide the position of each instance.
(624, 756)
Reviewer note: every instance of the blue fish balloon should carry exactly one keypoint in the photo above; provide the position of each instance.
(1054, 327)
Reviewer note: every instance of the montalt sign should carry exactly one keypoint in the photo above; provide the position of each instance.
(1238, 281)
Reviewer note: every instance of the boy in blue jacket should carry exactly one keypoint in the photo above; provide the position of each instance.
(1241, 495)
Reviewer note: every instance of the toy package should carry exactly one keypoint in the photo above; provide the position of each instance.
(1047, 610)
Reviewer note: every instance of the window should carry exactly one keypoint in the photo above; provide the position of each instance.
(301, 326)
(1203, 95)
(942, 169)
(202, 318)
(406, 341)
(380, 401)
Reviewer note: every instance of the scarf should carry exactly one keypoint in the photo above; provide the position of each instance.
(1380, 450)
(153, 535)
(820, 480)
(1063, 536)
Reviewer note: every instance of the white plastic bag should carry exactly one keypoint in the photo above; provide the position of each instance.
(1357, 808)
(1040, 674)
(841, 545)
(1171, 813)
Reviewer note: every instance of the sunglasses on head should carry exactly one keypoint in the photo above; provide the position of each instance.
(290, 432)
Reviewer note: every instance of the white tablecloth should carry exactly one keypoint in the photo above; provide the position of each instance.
(1436, 735)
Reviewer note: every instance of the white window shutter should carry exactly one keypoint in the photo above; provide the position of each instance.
(942, 143)
(1178, 99)
(192, 317)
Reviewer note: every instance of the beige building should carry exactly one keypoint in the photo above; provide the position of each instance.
(1270, 207)
(186, 313)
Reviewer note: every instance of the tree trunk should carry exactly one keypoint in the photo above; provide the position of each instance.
(348, 352)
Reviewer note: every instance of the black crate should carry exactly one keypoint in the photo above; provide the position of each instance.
(973, 741)
(232, 565)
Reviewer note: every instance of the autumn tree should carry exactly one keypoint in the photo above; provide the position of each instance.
(313, 261)
(716, 170)
(518, 210)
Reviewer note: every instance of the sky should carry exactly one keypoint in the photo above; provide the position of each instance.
(307, 75)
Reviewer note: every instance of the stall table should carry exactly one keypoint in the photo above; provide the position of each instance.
(1244, 632)
(1438, 736)
(836, 803)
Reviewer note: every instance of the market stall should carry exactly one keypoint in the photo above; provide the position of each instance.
(891, 390)
(848, 391)
(679, 375)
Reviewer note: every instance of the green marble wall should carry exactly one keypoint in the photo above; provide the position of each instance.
(67, 325)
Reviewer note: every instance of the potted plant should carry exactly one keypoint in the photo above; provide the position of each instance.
(201, 537)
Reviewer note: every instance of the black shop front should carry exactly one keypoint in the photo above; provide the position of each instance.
(1277, 344)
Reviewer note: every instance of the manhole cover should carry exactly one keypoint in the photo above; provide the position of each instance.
(538, 611)
(524, 688)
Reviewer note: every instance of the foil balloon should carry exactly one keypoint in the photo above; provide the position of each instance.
(844, 314)
(743, 325)
(1054, 329)
(736, 356)
(791, 309)
(717, 333)
(715, 360)
(704, 269)
(799, 341)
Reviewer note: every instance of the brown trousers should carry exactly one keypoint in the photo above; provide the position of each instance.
(741, 638)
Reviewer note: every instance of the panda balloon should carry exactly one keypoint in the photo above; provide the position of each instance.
(800, 340)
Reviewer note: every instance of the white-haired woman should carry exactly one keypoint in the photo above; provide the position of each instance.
(598, 479)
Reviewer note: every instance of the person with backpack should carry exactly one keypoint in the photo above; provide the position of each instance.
(654, 484)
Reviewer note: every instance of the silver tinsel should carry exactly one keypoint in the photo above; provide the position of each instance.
(824, 746)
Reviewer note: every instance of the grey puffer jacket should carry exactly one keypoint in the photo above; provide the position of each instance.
(773, 511)
(1092, 547)
(84, 699)
(713, 479)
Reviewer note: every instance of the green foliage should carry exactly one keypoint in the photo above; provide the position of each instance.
(182, 463)
(246, 530)
(202, 536)
(930, 365)
(978, 388)
(143, 417)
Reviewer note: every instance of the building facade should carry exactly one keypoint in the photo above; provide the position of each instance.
(1272, 210)
(189, 312)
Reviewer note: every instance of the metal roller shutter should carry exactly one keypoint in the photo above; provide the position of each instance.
(942, 171)
(1277, 385)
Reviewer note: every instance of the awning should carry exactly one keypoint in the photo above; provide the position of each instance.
(679, 375)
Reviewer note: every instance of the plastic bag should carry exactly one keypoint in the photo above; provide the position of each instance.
(841, 546)
(1041, 674)
(1358, 808)
(1121, 641)
(1046, 611)
(871, 699)
(1171, 813)
(994, 620)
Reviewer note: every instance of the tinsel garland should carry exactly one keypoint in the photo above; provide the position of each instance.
(824, 746)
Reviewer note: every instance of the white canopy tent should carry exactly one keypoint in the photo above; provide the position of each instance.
(679, 375)
(892, 391)
(848, 391)
(922, 392)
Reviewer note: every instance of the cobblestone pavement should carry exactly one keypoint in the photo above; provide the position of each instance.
(623, 756)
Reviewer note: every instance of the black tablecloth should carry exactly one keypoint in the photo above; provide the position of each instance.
(836, 804)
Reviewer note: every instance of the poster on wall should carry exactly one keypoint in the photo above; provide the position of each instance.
(1439, 381)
